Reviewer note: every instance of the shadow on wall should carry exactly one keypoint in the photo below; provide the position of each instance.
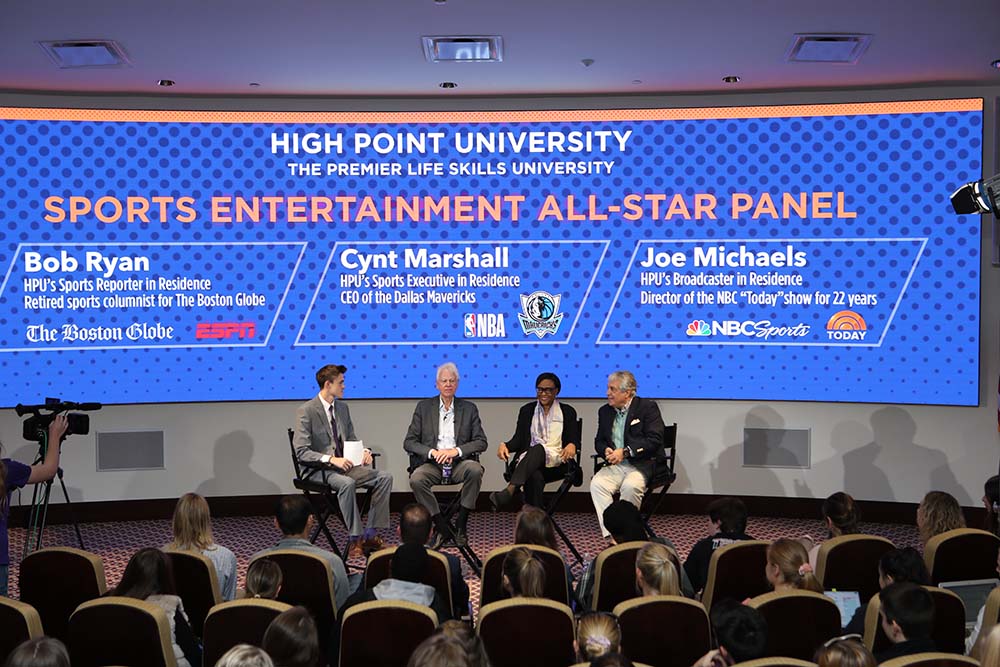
(231, 467)
(727, 472)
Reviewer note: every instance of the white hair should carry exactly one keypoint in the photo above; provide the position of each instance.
(245, 655)
(447, 367)
(624, 380)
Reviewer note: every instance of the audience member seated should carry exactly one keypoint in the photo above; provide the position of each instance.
(475, 652)
(907, 617)
(970, 641)
(991, 501)
(39, 652)
(938, 513)
(728, 520)
(611, 660)
(193, 532)
(408, 568)
(244, 655)
(148, 577)
(740, 631)
(440, 650)
(291, 639)
(624, 522)
(898, 565)
(544, 444)
(534, 527)
(263, 579)
(847, 651)
(655, 572)
(523, 574)
(788, 567)
(415, 528)
(840, 514)
(597, 633)
(294, 518)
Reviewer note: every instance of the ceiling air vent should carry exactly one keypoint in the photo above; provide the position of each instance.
(85, 53)
(827, 48)
(465, 49)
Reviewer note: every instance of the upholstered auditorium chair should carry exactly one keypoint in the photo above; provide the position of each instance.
(438, 572)
(798, 622)
(949, 623)
(556, 584)
(197, 585)
(237, 622)
(664, 630)
(56, 580)
(399, 626)
(736, 571)
(19, 622)
(962, 554)
(527, 632)
(614, 575)
(120, 631)
(850, 563)
(931, 660)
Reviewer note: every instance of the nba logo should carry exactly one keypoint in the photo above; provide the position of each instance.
(470, 325)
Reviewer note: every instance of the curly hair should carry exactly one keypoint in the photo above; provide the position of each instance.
(938, 513)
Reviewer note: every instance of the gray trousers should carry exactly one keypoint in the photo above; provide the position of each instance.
(365, 477)
(468, 473)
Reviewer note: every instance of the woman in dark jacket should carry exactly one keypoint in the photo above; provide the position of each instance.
(544, 444)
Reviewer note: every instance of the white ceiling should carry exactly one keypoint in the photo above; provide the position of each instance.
(372, 47)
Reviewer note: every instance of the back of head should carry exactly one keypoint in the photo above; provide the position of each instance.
(264, 579)
(534, 527)
(414, 524)
(148, 573)
(292, 514)
(938, 513)
(192, 523)
(409, 563)
(792, 560)
(291, 639)
(439, 650)
(245, 655)
(991, 490)
(623, 521)
(463, 633)
(655, 564)
(524, 573)
(842, 512)
(39, 652)
(845, 653)
(597, 633)
(911, 607)
(611, 660)
(731, 514)
(904, 564)
(740, 629)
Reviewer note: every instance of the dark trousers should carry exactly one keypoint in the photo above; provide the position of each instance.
(532, 474)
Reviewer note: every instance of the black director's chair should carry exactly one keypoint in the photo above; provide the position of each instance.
(322, 498)
(663, 475)
(448, 511)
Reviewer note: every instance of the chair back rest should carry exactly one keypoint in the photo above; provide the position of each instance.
(197, 585)
(798, 622)
(931, 660)
(409, 623)
(614, 575)
(120, 631)
(736, 571)
(295, 459)
(961, 554)
(20, 622)
(992, 614)
(438, 573)
(776, 662)
(949, 623)
(663, 464)
(850, 563)
(307, 580)
(56, 580)
(556, 585)
(649, 624)
(549, 644)
(237, 622)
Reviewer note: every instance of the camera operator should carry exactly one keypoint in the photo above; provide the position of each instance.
(14, 475)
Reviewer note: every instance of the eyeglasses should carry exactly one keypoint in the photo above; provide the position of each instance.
(545, 390)
(853, 637)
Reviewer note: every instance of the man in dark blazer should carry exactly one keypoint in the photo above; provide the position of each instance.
(629, 436)
(323, 425)
(446, 431)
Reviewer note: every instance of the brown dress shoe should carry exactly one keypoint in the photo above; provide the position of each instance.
(355, 550)
(373, 544)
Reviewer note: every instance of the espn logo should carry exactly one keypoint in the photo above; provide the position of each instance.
(222, 330)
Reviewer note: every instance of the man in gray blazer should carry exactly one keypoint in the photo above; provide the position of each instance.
(446, 431)
(323, 424)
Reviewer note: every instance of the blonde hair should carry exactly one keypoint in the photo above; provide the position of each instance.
(658, 570)
(987, 649)
(597, 633)
(844, 653)
(245, 655)
(792, 561)
(192, 524)
(525, 573)
(938, 513)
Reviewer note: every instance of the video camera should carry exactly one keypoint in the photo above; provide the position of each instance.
(35, 428)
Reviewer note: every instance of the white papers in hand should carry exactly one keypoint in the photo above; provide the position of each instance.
(354, 451)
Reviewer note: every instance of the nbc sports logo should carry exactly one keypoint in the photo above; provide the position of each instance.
(846, 325)
(699, 328)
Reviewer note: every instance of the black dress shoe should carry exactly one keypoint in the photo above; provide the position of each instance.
(461, 540)
(499, 498)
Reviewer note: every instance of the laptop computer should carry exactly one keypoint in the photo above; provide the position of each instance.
(847, 602)
(973, 594)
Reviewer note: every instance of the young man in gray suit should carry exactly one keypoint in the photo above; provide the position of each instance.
(323, 424)
(446, 431)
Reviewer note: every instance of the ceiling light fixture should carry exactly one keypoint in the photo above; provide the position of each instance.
(463, 49)
(85, 53)
(166, 83)
(842, 48)
(732, 78)
(448, 84)
(995, 64)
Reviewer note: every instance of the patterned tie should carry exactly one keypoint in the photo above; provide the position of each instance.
(338, 447)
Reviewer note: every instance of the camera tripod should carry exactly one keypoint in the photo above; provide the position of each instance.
(39, 513)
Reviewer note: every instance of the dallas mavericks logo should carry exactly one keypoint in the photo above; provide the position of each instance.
(541, 314)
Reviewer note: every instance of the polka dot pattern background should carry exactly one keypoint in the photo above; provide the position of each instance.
(895, 170)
